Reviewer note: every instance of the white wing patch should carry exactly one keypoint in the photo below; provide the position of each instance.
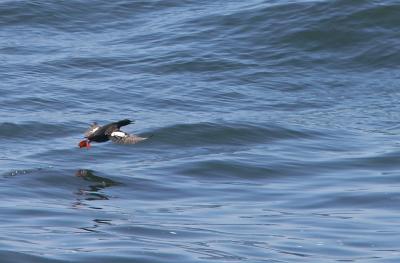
(118, 134)
(92, 129)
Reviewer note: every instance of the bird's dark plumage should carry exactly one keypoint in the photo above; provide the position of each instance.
(123, 123)
(111, 131)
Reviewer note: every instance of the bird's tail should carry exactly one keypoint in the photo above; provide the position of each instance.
(123, 123)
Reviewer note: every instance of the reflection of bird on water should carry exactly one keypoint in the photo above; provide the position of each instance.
(111, 131)
(88, 175)
(98, 183)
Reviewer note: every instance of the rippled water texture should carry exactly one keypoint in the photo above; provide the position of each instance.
(275, 131)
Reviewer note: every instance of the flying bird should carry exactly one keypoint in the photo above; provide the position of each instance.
(111, 131)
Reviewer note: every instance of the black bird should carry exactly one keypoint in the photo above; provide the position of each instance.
(111, 131)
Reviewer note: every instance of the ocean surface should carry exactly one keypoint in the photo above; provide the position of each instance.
(275, 131)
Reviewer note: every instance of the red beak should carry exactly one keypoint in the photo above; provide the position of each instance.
(84, 143)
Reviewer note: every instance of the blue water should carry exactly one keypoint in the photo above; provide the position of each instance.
(275, 124)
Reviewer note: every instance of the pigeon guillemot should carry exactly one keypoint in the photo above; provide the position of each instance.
(111, 131)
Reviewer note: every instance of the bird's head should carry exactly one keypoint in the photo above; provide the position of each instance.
(84, 143)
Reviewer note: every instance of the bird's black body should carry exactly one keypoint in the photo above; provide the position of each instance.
(111, 131)
(102, 134)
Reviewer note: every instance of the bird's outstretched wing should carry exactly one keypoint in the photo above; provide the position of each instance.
(92, 129)
(125, 138)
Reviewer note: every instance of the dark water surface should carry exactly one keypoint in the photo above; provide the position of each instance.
(276, 131)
